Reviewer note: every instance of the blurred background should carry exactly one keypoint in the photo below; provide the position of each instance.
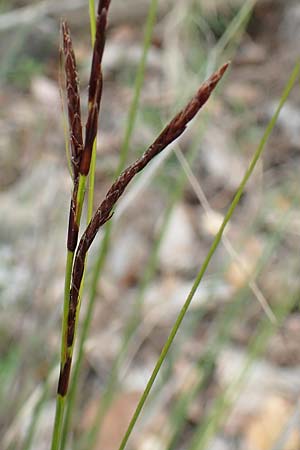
(232, 378)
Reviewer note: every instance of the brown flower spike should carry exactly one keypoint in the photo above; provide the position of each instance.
(95, 86)
(73, 100)
(81, 154)
(104, 212)
(75, 129)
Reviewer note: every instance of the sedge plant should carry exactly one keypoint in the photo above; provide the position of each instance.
(82, 153)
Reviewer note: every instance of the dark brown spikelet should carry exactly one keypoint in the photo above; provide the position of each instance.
(75, 129)
(95, 86)
(104, 212)
(64, 377)
(73, 100)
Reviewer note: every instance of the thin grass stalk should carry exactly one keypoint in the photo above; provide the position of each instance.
(209, 256)
(45, 394)
(205, 368)
(237, 25)
(206, 362)
(27, 444)
(226, 318)
(139, 80)
(207, 427)
(91, 183)
(224, 402)
(105, 243)
(92, 14)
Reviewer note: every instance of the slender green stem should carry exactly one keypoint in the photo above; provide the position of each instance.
(36, 414)
(60, 401)
(65, 352)
(140, 75)
(91, 191)
(59, 414)
(80, 197)
(238, 24)
(209, 425)
(92, 14)
(209, 256)
(206, 362)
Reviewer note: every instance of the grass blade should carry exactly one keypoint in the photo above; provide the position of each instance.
(210, 254)
(222, 404)
(222, 335)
